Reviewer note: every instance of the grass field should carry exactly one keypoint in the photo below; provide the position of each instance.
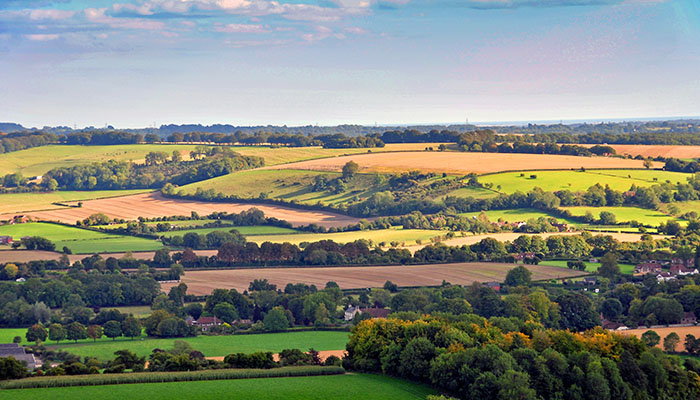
(80, 241)
(243, 230)
(627, 269)
(517, 214)
(341, 387)
(213, 346)
(23, 202)
(624, 214)
(7, 334)
(39, 160)
(621, 180)
(409, 236)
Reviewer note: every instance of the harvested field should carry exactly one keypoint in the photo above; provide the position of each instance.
(461, 163)
(203, 282)
(153, 204)
(655, 150)
(664, 331)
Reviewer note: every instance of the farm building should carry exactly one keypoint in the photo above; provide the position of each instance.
(689, 318)
(204, 322)
(6, 240)
(682, 269)
(17, 352)
(650, 267)
(374, 312)
(493, 285)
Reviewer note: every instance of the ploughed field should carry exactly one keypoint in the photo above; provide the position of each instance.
(461, 162)
(203, 282)
(153, 204)
(653, 150)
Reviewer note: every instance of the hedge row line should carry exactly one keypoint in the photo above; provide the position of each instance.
(158, 377)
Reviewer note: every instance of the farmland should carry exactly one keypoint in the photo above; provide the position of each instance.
(624, 214)
(347, 386)
(620, 180)
(79, 240)
(243, 230)
(461, 163)
(517, 214)
(675, 151)
(681, 331)
(203, 282)
(150, 205)
(627, 269)
(408, 236)
(24, 202)
(213, 346)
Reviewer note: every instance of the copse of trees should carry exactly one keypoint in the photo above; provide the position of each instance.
(10, 142)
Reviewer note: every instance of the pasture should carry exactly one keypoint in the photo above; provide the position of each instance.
(517, 214)
(575, 181)
(627, 269)
(403, 236)
(23, 202)
(151, 205)
(7, 334)
(341, 387)
(80, 241)
(211, 346)
(39, 160)
(461, 163)
(243, 230)
(203, 282)
(624, 214)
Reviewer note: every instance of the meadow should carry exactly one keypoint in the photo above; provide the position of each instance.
(517, 214)
(243, 230)
(627, 269)
(624, 214)
(341, 387)
(211, 346)
(80, 241)
(620, 180)
(406, 236)
(24, 202)
(39, 160)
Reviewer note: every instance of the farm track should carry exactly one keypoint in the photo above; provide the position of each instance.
(461, 163)
(203, 282)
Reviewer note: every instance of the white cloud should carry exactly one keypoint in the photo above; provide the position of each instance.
(240, 28)
(50, 14)
(42, 37)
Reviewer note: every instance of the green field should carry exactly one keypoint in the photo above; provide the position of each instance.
(517, 214)
(39, 160)
(624, 214)
(243, 230)
(80, 241)
(409, 236)
(341, 387)
(213, 346)
(24, 202)
(7, 334)
(627, 269)
(621, 180)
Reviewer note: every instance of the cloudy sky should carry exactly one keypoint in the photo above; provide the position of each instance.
(133, 63)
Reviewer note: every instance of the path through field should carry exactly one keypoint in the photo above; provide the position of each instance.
(203, 282)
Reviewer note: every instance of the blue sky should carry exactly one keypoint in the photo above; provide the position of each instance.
(133, 63)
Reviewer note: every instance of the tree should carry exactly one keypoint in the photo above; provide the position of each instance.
(56, 332)
(10, 271)
(36, 333)
(651, 338)
(276, 320)
(76, 331)
(671, 342)
(608, 267)
(131, 327)
(162, 257)
(129, 360)
(94, 332)
(10, 368)
(648, 163)
(391, 286)
(518, 276)
(112, 329)
(607, 218)
(194, 310)
(611, 308)
(177, 156)
(226, 312)
(350, 169)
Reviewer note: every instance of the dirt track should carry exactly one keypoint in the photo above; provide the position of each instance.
(153, 204)
(460, 163)
(203, 282)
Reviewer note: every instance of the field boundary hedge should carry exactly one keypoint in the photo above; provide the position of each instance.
(160, 377)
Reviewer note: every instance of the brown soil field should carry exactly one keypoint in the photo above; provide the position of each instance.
(153, 204)
(656, 150)
(460, 163)
(663, 332)
(203, 282)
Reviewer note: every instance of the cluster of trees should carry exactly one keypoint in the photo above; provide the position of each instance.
(25, 140)
(340, 141)
(470, 358)
(129, 326)
(109, 137)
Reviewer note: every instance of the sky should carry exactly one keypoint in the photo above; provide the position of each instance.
(136, 63)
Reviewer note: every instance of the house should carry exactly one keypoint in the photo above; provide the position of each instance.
(680, 269)
(689, 318)
(591, 280)
(612, 326)
(19, 219)
(665, 276)
(351, 312)
(376, 312)
(493, 285)
(562, 227)
(650, 267)
(6, 240)
(16, 351)
(523, 256)
(204, 322)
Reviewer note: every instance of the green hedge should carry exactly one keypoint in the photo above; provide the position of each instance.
(157, 377)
